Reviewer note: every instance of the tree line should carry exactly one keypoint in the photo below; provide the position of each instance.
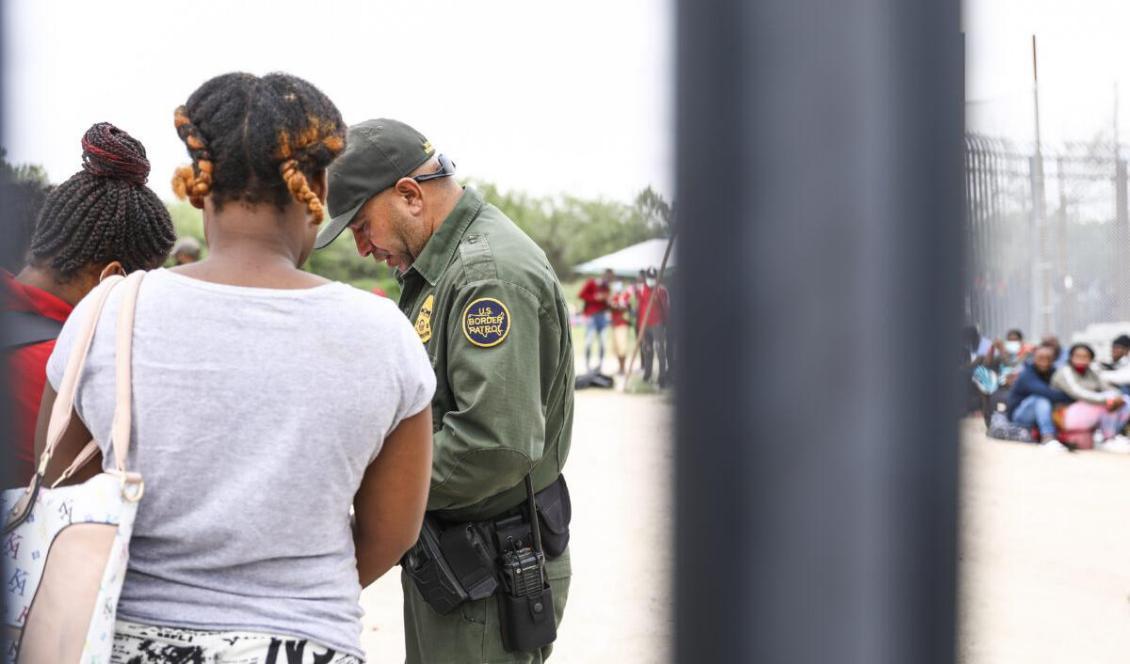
(570, 229)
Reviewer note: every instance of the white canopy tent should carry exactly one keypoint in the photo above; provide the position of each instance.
(630, 260)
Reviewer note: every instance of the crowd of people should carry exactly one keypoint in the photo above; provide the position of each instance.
(642, 309)
(1063, 399)
(295, 435)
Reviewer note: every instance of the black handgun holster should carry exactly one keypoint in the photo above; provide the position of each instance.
(453, 563)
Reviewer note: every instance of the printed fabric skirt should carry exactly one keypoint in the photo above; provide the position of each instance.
(135, 643)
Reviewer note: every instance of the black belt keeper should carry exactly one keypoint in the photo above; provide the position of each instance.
(526, 607)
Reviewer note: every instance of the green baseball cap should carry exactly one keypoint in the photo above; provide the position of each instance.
(377, 154)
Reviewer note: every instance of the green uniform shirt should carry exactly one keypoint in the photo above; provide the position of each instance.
(492, 315)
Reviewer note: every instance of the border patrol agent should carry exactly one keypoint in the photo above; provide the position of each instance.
(492, 315)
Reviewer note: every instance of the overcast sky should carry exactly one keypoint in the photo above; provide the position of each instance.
(546, 97)
(1083, 48)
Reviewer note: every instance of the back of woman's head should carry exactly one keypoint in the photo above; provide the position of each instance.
(104, 212)
(257, 140)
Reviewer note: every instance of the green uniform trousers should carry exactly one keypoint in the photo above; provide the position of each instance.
(470, 634)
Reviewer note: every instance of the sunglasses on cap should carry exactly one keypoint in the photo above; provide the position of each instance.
(446, 169)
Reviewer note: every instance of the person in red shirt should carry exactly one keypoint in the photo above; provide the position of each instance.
(620, 305)
(594, 294)
(652, 318)
(101, 221)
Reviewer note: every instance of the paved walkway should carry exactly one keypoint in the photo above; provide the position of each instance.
(1045, 554)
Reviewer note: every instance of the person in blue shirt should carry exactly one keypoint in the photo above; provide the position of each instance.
(1032, 397)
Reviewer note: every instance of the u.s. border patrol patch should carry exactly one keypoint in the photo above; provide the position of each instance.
(486, 322)
(424, 319)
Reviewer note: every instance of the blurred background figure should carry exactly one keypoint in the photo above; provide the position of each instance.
(1009, 356)
(595, 295)
(1032, 398)
(1099, 411)
(185, 251)
(653, 318)
(621, 308)
(1117, 371)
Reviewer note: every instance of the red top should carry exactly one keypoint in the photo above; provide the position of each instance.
(595, 296)
(657, 313)
(28, 367)
(620, 304)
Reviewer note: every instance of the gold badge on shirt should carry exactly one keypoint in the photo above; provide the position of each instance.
(424, 318)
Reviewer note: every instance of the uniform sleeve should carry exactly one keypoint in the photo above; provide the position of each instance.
(496, 433)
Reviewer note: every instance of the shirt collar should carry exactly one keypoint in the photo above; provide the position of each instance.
(437, 253)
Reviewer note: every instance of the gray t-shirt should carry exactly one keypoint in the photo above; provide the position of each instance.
(255, 414)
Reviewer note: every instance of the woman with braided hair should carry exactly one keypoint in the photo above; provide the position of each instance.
(269, 402)
(103, 220)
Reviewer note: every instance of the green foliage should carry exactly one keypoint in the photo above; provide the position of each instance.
(30, 173)
(570, 229)
(187, 220)
(340, 262)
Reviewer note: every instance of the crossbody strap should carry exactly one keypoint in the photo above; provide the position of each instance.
(65, 399)
(25, 328)
(64, 402)
(123, 370)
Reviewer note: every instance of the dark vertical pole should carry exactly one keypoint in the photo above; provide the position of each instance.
(7, 449)
(819, 177)
(6, 443)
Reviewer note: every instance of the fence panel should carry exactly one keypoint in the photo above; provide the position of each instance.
(1046, 234)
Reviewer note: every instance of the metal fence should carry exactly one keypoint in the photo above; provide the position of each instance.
(1047, 237)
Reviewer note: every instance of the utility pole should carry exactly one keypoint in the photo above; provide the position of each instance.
(1042, 268)
(1121, 223)
(1063, 279)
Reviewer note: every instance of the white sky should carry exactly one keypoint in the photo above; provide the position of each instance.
(1083, 47)
(571, 97)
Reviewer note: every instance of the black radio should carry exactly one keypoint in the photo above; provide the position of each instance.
(526, 608)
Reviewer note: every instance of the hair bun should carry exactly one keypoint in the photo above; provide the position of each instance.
(110, 152)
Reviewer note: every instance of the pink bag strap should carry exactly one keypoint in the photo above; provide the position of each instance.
(65, 399)
(123, 369)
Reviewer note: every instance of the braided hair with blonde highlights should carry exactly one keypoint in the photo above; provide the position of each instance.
(257, 140)
(104, 212)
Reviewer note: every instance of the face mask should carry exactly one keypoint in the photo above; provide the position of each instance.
(651, 283)
(1013, 347)
(617, 286)
(1080, 368)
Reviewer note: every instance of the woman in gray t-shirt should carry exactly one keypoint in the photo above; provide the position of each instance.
(268, 401)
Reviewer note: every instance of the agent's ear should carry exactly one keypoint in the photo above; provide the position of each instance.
(113, 267)
(410, 191)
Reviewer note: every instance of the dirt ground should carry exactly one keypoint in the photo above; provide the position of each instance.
(619, 606)
(1045, 555)
(1045, 548)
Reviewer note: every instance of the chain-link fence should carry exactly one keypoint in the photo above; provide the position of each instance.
(1048, 233)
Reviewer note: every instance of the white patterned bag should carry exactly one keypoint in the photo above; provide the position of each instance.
(65, 548)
